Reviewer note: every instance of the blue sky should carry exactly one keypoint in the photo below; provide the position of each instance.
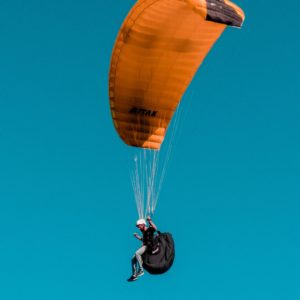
(232, 191)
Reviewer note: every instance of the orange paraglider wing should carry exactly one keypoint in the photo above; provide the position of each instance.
(159, 48)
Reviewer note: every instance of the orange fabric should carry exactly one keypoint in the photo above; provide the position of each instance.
(158, 50)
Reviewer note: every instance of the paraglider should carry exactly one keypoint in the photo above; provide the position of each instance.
(147, 241)
(156, 255)
(158, 50)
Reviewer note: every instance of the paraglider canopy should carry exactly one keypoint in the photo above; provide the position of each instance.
(158, 50)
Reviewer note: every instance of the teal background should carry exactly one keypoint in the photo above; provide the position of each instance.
(232, 191)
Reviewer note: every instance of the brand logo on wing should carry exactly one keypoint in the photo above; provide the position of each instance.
(143, 112)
